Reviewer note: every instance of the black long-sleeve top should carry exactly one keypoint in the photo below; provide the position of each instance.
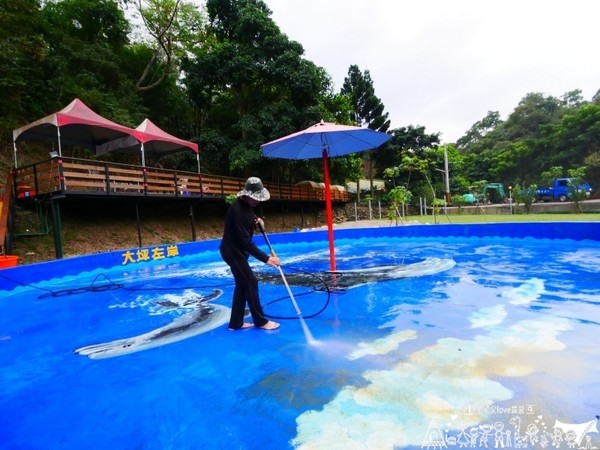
(238, 231)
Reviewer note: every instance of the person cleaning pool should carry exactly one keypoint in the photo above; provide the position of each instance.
(237, 246)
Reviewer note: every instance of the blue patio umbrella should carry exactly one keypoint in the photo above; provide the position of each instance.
(325, 140)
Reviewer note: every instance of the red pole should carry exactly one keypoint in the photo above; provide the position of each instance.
(329, 209)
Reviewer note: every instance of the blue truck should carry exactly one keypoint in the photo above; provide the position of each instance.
(560, 191)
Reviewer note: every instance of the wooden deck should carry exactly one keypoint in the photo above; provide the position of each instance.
(67, 176)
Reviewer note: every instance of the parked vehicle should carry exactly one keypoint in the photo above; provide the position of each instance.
(493, 193)
(560, 191)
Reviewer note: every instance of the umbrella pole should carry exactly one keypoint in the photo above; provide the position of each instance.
(329, 210)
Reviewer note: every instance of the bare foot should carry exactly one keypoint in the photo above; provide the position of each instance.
(244, 326)
(270, 325)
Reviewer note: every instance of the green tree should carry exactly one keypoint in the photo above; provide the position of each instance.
(573, 99)
(459, 201)
(576, 194)
(549, 175)
(87, 41)
(515, 148)
(592, 162)
(456, 165)
(532, 114)
(174, 27)
(250, 85)
(514, 161)
(23, 55)
(479, 130)
(523, 195)
(398, 198)
(367, 107)
(408, 140)
(575, 137)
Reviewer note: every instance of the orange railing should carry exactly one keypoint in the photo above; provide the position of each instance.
(67, 175)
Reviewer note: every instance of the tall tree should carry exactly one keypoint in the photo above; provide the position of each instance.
(174, 27)
(87, 40)
(23, 52)
(407, 157)
(513, 149)
(575, 137)
(533, 112)
(250, 83)
(405, 140)
(367, 107)
(573, 99)
(479, 130)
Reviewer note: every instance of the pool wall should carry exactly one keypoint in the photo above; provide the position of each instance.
(168, 253)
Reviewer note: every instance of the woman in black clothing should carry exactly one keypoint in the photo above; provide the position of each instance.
(237, 246)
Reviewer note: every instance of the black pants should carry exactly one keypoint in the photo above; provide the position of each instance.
(246, 290)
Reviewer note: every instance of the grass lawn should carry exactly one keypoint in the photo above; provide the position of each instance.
(490, 218)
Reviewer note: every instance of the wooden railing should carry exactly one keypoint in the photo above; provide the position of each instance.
(72, 176)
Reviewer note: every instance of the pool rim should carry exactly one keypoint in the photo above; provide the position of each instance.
(69, 266)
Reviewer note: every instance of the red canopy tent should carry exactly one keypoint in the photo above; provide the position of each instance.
(75, 124)
(150, 140)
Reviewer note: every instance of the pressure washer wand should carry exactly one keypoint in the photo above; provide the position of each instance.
(262, 230)
(309, 337)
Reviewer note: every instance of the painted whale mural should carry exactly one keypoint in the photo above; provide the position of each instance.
(208, 317)
(348, 279)
(204, 318)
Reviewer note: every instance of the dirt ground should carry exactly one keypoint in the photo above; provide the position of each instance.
(97, 227)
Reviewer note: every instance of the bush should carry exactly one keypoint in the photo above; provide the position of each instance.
(525, 196)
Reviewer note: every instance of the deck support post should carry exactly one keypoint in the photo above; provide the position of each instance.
(56, 228)
(139, 228)
(192, 221)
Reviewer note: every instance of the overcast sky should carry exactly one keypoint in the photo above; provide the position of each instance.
(444, 64)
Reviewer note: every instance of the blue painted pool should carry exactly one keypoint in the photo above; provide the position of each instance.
(480, 336)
